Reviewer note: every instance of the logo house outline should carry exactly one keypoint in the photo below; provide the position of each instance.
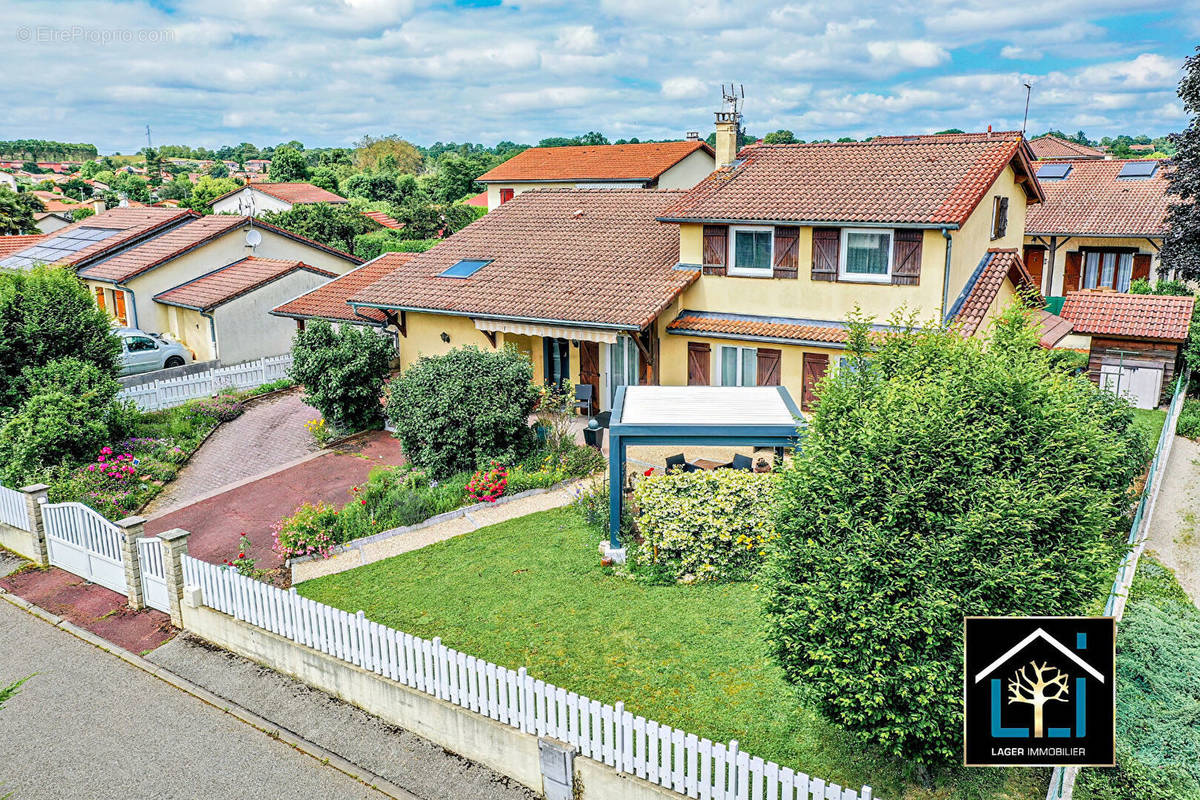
(1079, 697)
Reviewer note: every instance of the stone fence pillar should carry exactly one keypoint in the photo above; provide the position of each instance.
(174, 544)
(132, 529)
(35, 496)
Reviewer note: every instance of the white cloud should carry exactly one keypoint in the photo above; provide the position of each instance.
(914, 53)
(676, 88)
(1019, 53)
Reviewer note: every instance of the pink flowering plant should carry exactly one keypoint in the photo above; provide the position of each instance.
(486, 486)
(122, 477)
(309, 531)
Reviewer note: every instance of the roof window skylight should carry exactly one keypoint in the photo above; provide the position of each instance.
(464, 269)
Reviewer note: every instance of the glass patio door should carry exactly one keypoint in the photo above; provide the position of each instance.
(622, 366)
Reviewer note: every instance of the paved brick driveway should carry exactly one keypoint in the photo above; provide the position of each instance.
(271, 433)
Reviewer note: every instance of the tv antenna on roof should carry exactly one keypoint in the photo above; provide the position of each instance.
(1025, 122)
(733, 98)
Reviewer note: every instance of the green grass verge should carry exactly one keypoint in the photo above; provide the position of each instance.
(531, 592)
(1150, 422)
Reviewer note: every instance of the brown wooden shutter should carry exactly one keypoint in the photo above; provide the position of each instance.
(716, 239)
(1141, 266)
(699, 359)
(1071, 271)
(906, 271)
(787, 252)
(768, 367)
(1035, 262)
(815, 367)
(100, 297)
(826, 242)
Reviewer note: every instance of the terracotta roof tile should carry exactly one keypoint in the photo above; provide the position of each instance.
(744, 326)
(978, 136)
(232, 281)
(14, 244)
(480, 200)
(1053, 328)
(160, 249)
(383, 219)
(1053, 147)
(1093, 200)
(1132, 316)
(328, 301)
(129, 224)
(589, 256)
(934, 183)
(628, 162)
(970, 309)
(294, 193)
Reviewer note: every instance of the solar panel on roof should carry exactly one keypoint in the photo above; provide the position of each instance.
(464, 269)
(56, 248)
(1138, 169)
(1053, 172)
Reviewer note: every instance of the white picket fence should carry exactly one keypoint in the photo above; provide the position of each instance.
(630, 744)
(13, 510)
(176, 391)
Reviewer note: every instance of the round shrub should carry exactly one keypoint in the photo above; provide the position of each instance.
(465, 409)
(48, 429)
(940, 477)
(342, 373)
(706, 525)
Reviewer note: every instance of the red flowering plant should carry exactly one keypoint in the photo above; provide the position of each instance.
(486, 486)
(244, 563)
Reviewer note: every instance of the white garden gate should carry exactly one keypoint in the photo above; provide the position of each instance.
(81, 541)
(154, 573)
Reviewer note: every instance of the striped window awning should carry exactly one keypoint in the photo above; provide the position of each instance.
(547, 331)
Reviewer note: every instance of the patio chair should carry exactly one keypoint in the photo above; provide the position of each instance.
(679, 462)
(741, 462)
(583, 398)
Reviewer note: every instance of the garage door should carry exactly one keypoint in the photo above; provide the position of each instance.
(1141, 385)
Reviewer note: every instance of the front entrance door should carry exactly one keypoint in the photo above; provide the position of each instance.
(557, 361)
(589, 369)
(699, 359)
(622, 366)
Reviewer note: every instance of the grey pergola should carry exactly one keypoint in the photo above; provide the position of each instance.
(761, 416)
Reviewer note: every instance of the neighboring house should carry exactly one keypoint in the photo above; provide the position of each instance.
(58, 211)
(1101, 225)
(662, 165)
(330, 301)
(220, 315)
(479, 201)
(383, 219)
(8, 179)
(258, 165)
(256, 199)
(745, 279)
(16, 243)
(127, 257)
(1054, 147)
(1134, 340)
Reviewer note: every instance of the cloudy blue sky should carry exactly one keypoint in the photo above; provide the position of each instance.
(326, 72)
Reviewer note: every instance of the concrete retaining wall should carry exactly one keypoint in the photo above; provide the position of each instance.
(473, 736)
(20, 542)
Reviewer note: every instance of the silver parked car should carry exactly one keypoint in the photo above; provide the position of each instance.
(145, 352)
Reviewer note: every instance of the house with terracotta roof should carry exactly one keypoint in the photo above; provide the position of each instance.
(331, 300)
(746, 278)
(649, 165)
(256, 199)
(1060, 149)
(1101, 224)
(131, 258)
(1134, 340)
(231, 303)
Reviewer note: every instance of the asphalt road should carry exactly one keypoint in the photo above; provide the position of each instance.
(89, 725)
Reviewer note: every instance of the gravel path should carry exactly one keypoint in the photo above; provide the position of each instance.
(405, 759)
(89, 725)
(271, 432)
(1175, 532)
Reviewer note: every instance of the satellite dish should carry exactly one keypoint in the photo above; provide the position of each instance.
(253, 238)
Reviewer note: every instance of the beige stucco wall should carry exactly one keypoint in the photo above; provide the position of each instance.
(493, 189)
(246, 330)
(263, 203)
(193, 330)
(687, 173)
(975, 237)
(1075, 243)
(153, 317)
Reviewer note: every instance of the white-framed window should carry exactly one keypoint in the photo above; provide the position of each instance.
(751, 250)
(739, 366)
(865, 255)
(1107, 269)
(622, 366)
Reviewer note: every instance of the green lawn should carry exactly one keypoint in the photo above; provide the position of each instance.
(531, 592)
(1150, 421)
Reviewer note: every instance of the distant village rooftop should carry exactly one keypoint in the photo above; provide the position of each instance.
(610, 162)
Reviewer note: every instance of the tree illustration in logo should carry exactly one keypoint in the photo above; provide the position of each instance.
(1048, 683)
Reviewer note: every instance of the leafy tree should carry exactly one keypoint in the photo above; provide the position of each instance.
(342, 372)
(332, 225)
(462, 410)
(941, 476)
(89, 169)
(17, 210)
(47, 430)
(371, 245)
(132, 186)
(948, 130)
(47, 314)
(589, 138)
(386, 186)
(1191, 349)
(218, 170)
(153, 165)
(208, 189)
(288, 166)
(846, 139)
(77, 189)
(455, 177)
(433, 221)
(780, 137)
(1180, 253)
(178, 189)
(324, 177)
(83, 212)
(369, 151)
